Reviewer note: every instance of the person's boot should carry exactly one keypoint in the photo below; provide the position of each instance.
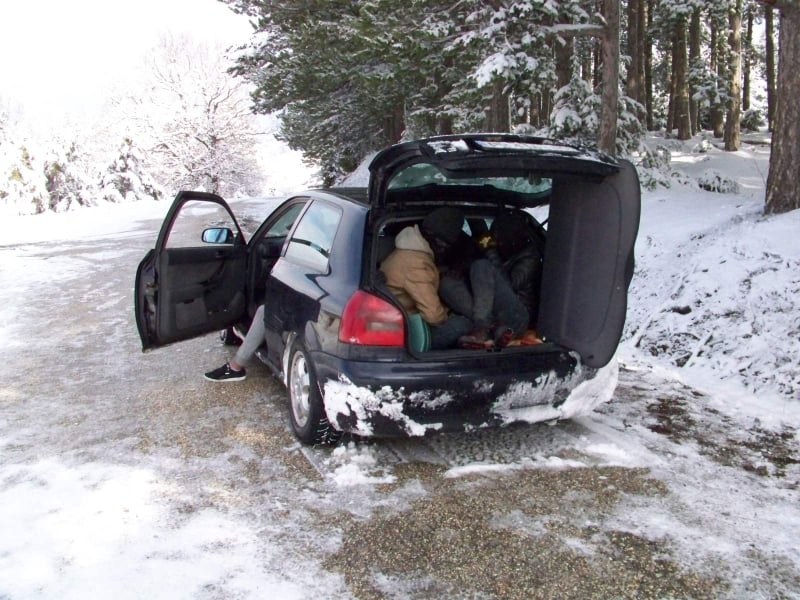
(477, 339)
(503, 336)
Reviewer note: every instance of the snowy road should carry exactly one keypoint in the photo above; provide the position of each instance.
(127, 475)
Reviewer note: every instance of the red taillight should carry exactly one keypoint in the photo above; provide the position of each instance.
(368, 320)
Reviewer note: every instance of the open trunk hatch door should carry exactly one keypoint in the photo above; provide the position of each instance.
(589, 262)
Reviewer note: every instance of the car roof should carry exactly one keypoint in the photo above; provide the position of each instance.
(359, 194)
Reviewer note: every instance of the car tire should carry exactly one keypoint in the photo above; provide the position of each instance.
(306, 408)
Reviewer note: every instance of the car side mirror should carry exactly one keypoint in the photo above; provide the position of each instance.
(218, 235)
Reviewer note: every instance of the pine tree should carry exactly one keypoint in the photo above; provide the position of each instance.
(695, 62)
(23, 188)
(69, 181)
(407, 70)
(126, 178)
(673, 17)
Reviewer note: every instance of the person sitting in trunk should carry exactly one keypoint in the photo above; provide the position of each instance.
(473, 286)
(412, 274)
(516, 252)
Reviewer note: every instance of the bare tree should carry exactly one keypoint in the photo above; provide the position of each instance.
(196, 119)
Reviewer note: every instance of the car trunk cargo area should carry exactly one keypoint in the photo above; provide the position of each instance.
(477, 225)
(585, 228)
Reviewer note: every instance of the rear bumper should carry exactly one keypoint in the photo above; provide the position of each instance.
(415, 398)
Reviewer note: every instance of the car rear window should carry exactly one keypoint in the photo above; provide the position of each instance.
(422, 174)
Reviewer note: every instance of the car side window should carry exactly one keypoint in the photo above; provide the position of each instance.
(312, 240)
(281, 227)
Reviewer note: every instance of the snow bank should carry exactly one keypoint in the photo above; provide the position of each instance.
(716, 283)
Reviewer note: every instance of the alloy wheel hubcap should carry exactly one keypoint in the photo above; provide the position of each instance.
(300, 389)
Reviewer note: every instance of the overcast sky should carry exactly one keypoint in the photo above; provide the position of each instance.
(67, 55)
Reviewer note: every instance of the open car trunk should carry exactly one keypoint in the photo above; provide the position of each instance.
(588, 206)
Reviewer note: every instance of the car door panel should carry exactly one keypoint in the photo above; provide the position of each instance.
(198, 298)
(194, 287)
(588, 263)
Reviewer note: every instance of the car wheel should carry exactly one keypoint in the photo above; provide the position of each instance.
(309, 422)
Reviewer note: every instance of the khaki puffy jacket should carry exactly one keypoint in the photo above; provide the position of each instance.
(412, 276)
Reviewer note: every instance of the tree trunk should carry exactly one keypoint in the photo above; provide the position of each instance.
(715, 111)
(647, 9)
(672, 87)
(784, 164)
(444, 125)
(497, 115)
(444, 122)
(694, 57)
(681, 70)
(563, 56)
(607, 137)
(747, 53)
(547, 107)
(597, 62)
(394, 124)
(733, 129)
(634, 83)
(769, 25)
(535, 113)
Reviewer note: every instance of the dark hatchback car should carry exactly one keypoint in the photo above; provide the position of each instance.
(351, 358)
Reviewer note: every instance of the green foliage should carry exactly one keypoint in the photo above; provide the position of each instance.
(337, 74)
(22, 183)
(753, 120)
(576, 116)
(714, 181)
(68, 178)
(126, 178)
(350, 77)
(654, 168)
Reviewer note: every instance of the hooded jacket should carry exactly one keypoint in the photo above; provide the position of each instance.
(412, 276)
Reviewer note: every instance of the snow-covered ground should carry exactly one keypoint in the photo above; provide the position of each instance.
(713, 316)
(717, 282)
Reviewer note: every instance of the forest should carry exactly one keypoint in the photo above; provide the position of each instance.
(348, 77)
